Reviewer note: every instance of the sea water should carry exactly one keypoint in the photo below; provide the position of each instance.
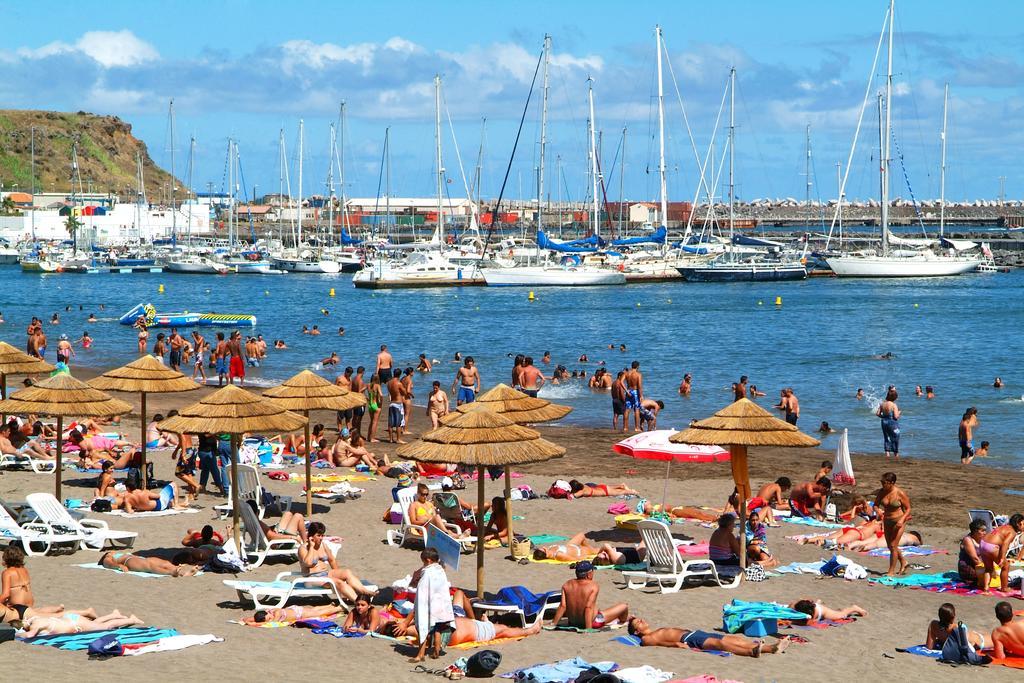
(955, 334)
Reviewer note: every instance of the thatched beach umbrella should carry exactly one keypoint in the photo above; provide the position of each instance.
(235, 411)
(15, 362)
(146, 375)
(517, 407)
(739, 425)
(482, 438)
(308, 391)
(63, 396)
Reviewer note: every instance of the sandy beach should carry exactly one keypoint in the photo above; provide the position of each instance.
(941, 494)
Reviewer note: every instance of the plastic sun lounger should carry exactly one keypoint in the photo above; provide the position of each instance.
(408, 532)
(34, 538)
(257, 547)
(665, 566)
(250, 488)
(550, 602)
(94, 534)
(23, 460)
(987, 516)
(287, 585)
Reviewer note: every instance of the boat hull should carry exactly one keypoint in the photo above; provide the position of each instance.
(551, 277)
(882, 267)
(302, 266)
(744, 273)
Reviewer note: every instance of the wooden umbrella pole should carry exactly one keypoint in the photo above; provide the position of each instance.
(145, 436)
(480, 533)
(60, 448)
(309, 472)
(235, 502)
(3, 393)
(664, 491)
(508, 505)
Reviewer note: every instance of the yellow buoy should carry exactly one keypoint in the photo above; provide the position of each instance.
(778, 301)
(670, 300)
(266, 292)
(530, 297)
(638, 304)
(160, 289)
(760, 303)
(915, 305)
(331, 293)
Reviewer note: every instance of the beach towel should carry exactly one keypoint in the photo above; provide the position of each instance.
(331, 478)
(917, 580)
(703, 678)
(801, 568)
(264, 624)
(694, 550)
(559, 672)
(634, 641)
(1011, 661)
(643, 674)
(909, 551)
(169, 644)
(433, 601)
(808, 521)
(738, 613)
(823, 624)
(485, 643)
(80, 641)
(150, 513)
(141, 575)
(921, 651)
(614, 626)
(634, 567)
(546, 539)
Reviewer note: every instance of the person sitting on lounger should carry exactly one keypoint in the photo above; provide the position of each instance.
(816, 610)
(127, 562)
(43, 625)
(316, 560)
(581, 490)
(969, 566)
(291, 525)
(579, 602)
(394, 470)
(911, 538)
(422, 511)
(289, 615)
(142, 500)
(724, 546)
(939, 630)
(1008, 637)
(576, 548)
(29, 448)
(703, 640)
(808, 499)
(994, 548)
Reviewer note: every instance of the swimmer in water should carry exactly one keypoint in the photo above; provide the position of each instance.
(888, 355)
(859, 395)
(996, 384)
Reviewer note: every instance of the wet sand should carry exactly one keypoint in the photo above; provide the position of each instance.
(940, 493)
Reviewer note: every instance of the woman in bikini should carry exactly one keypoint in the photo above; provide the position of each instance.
(939, 630)
(907, 539)
(317, 561)
(994, 548)
(127, 562)
(575, 549)
(894, 505)
(437, 405)
(969, 565)
(364, 617)
(42, 625)
(140, 325)
(724, 546)
(374, 401)
(847, 535)
(581, 490)
(291, 526)
(16, 599)
(289, 615)
(352, 452)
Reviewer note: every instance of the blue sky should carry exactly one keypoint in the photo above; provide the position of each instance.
(248, 69)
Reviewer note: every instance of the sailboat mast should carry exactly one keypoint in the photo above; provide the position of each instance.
(232, 208)
(887, 134)
(593, 157)
(191, 171)
(661, 137)
(732, 149)
(807, 168)
(839, 209)
(942, 169)
(300, 185)
(341, 169)
(174, 211)
(32, 133)
(439, 228)
(543, 135)
(330, 185)
(622, 180)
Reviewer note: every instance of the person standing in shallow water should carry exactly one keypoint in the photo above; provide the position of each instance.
(889, 413)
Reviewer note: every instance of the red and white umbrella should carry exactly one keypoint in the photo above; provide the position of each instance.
(656, 446)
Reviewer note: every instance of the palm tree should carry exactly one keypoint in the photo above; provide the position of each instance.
(72, 224)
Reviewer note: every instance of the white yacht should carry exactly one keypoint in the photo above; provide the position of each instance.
(305, 261)
(565, 275)
(196, 265)
(419, 269)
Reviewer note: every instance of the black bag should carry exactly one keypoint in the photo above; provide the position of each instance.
(134, 479)
(957, 650)
(101, 505)
(483, 664)
(6, 633)
(594, 675)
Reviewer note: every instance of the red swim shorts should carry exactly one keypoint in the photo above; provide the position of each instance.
(237, 367)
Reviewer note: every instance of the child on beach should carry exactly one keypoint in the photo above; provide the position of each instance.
(434, 615)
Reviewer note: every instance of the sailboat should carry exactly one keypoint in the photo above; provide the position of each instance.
(901, 262)
(728, 267)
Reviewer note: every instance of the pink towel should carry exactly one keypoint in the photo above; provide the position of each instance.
(693, 550)
(704, 678)
(618, 509)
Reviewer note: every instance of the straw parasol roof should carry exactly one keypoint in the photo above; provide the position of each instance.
(481, 437)
(309, 391)
(146, 375)
(744, 423)
(515, 405)
(14, 362)
(232, 410)
(63, 395)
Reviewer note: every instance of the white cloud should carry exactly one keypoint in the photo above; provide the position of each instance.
(305, 53)
(108, 48)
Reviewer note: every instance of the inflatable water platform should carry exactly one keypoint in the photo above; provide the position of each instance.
(185, 318)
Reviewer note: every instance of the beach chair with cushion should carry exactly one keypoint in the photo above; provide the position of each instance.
(521, 603)
(94, 534)
(286, 586)
(408, 532)
(257, 547)
(250, 488)
(667, 568)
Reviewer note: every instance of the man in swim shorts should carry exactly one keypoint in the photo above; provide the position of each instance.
(579, 602)
(634, 382)
(220, 356)
(396, 409)
(236, 364)
(141, 500)
(702, 640)
(468, 381)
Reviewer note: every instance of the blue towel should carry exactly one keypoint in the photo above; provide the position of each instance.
(922, 651)
(523, 598)
(738, 613)
(918, 580)
(80, 641)
(559, 672)
(632, 641)
(798, 567)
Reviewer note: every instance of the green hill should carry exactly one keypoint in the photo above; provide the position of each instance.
(106, 154)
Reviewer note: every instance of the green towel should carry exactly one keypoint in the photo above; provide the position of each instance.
(545, 539)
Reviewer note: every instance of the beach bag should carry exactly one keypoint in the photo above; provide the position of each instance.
(7, 633)
(483, 664)
(101, 505)
(106, 646)
(957, 649)
(756, 573)
(134, 478)
(521, 547)
(595, 675)
(458, 483)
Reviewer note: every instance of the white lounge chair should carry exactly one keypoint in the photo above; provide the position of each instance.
(250, 488)
(257, 547)
(987, 516)
(666, 567)
(287, 585)
(94, 534)
(34, 538)
(26, 461)
(551, 602)
(409, 532)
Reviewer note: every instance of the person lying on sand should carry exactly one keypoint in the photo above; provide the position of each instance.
(612, 555)
(579, 602)
(466, 630)
(576, 548)
(847, 535)
(1008, 637)
(581, 490)
(703, 640)
(816, 610)
(911, 538)
(939, 630)
(645, 507)
(861, 511)
(142, 500)
(289, 615)
(76, 623)
(16, 598)
(205, 537)
(364, 617)
(94, 450)
(127, 562)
